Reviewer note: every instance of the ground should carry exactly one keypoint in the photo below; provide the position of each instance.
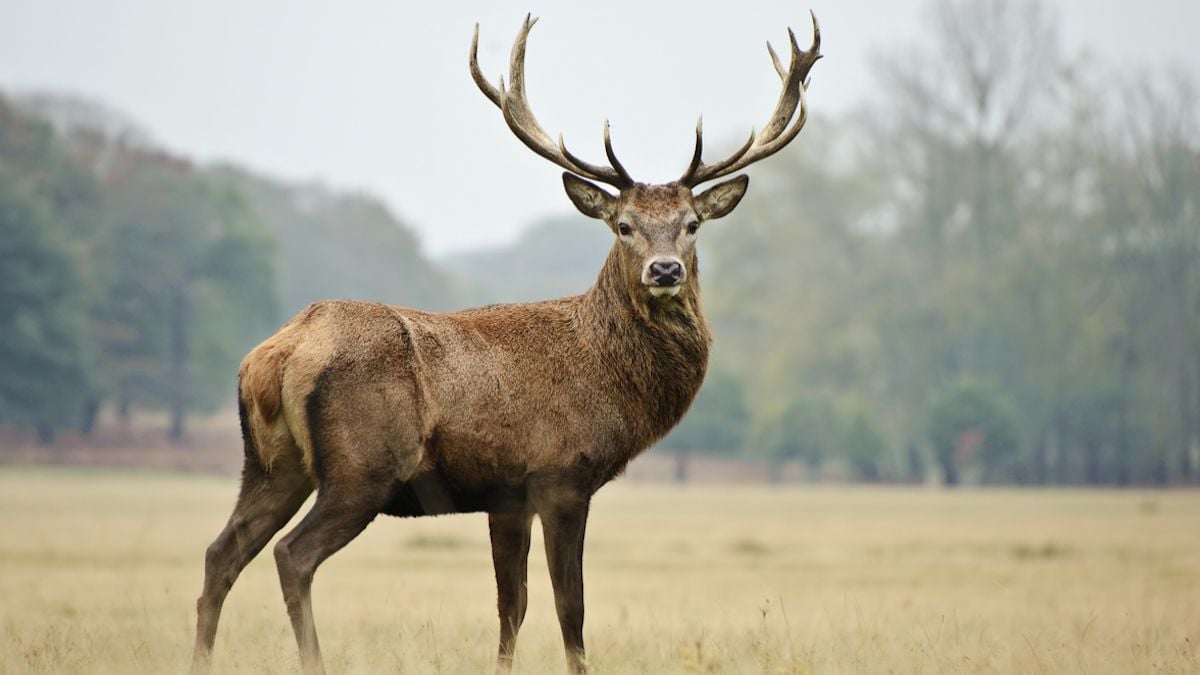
(99, 572)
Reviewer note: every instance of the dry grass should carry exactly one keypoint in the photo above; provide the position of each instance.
(99, 571)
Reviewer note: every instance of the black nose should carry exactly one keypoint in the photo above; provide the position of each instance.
(666, 272)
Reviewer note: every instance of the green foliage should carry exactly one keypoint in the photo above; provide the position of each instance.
(191, 286)
(862, 442)
(970, 422)
(134, 277)
(44, 381)
(806, 430)
(127, 275)
(1037, 236)
(44, 357)
(815, 430)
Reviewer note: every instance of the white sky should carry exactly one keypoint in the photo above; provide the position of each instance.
(376, 96)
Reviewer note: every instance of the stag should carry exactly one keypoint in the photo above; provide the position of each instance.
(513, 410)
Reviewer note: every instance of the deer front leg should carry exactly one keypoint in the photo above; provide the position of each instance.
(510, 556)
(564, 519)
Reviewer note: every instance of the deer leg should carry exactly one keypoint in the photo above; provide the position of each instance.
(265, 504)
(563, 523)
(337, 517)
(510, 556)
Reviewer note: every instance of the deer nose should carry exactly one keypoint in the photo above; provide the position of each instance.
(666, 272)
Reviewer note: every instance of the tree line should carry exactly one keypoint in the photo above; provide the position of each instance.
(990, 273)
(133, 278)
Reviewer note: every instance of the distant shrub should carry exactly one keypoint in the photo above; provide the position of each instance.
(805, 430)
(971, 423)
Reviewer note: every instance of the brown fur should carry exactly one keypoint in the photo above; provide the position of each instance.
(489, 394)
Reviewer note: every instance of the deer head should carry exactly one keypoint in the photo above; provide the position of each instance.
(656, 225)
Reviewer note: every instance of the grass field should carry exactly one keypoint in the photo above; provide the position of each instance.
(99, 574)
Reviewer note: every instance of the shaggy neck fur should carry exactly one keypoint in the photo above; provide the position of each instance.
(655, 348)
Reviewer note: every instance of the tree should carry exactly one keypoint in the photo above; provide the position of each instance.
(191, 285)
(805, 429)
(45, 381)
(1149, 227)
(984, 184)
(970, 423)
(44, 350)
(788, 279)
(861, 442)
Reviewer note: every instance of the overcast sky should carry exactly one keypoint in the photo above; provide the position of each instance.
(376, 96)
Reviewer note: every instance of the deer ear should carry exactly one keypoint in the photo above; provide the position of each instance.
(720, 199)
(590, 199)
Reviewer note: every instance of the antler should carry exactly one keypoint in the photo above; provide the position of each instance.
(776, 134)
(515, 106)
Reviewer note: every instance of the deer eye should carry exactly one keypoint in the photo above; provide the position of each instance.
(692, 227)
(624, 230)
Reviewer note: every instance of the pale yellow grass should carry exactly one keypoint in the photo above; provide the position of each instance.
(99, 573)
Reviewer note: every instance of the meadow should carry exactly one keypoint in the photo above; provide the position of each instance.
(99, 572)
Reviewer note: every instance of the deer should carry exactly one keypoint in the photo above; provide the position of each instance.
(513, 410)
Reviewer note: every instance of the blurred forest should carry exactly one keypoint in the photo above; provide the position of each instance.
(133, 278)
(990, 273)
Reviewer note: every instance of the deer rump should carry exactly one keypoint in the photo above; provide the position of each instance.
(460, 412)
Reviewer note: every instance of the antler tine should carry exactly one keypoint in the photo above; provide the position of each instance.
(516, 63)
(486, 87)
(612, 157)
(587, 169)
(695, 163)
(514, 105)
(718, 169)
(520, 119)
(789, 97)
(770, 50)
(776, 134)
(816, 44)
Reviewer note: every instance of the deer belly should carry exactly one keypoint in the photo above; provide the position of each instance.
(433, 493)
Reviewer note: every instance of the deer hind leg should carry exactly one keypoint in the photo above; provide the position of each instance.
(363, 435)
(510, 556)
(264, 506)
(339, 515)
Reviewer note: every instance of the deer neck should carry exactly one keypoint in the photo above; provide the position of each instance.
(655, 348)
